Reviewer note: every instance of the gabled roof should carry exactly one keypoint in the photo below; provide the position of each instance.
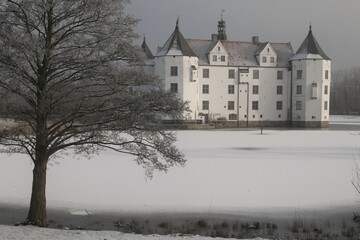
(177, 45)
(310, 48)
(240, 53)
(261, 47)
(146, 50)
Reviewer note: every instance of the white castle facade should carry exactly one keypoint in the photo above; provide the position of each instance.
(238, 84)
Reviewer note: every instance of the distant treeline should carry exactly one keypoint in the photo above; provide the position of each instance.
(345, 92)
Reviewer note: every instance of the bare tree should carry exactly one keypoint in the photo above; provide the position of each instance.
(70, 75)
(345, 91)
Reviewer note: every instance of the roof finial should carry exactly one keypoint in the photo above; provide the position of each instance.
(310, 27)
(222, 12)
(177, 22)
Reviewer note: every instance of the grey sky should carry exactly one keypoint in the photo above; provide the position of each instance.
(335, 23)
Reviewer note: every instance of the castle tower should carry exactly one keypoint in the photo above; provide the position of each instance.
(222, 28)
(177, 64)
(146, 50)
(310, 85)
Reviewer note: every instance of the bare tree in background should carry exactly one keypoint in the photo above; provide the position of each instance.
(345, 91)
(68, 76)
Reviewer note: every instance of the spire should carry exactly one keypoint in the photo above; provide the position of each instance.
(146, 50)
(177, 22)
(222, 28)
(310, 46)
(176, 44)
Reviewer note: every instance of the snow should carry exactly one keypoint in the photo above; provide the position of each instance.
(227, 170)
(34, 233)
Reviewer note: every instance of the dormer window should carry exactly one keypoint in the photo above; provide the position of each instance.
(214, 58)
(223, 58)
(268, 50)
(219, 48)
(264, 59)
(272, 60)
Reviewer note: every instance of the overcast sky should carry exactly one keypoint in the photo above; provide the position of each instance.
(335, 23)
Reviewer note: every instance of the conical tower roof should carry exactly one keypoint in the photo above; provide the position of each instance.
(146, 50)
(176, 45)
(310, 48)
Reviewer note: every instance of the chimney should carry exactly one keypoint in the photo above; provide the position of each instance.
(214, 37)
(255, 39)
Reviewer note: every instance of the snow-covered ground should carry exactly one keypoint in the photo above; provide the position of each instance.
(340, 119)
(34, 233)
(225, 170)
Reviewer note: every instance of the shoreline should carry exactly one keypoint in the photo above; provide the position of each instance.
(230, 222)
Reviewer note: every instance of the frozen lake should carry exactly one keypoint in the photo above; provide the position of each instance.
(281, 168)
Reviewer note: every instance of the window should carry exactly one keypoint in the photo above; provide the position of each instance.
(279, 90)
(174, 87)
(173, 71)
(232, 73)
(255, 105)
(222, 58)
(219, 48)
(205, 88)
(214, 58)
(255, 74)
(205, 105)
(299, 74)
(231, 105)
(255, 89)
(264, 59)
(314, 91)
(326, 74)
(272, 60)
(326, 105)
(279, 105)
(206, 73)
(279, 75)
(231, 89)
(232, 116)
(298, 105)
(268, 49)
(326, 89)
(298, 89)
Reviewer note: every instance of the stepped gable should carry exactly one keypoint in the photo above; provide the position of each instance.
(310, 48)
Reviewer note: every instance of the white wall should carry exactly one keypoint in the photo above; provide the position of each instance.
(313, 72)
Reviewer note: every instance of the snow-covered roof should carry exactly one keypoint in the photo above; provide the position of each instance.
(241, 53)
(310, 49)
(147, 50)
(176, 45)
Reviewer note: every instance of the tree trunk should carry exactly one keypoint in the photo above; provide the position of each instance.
(37, 211)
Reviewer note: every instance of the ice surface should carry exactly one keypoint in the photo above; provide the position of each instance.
(224, 169)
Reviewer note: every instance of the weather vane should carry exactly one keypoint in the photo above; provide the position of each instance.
(222, 12)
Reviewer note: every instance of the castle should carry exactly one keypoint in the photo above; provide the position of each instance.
(246, 84)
